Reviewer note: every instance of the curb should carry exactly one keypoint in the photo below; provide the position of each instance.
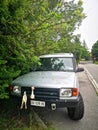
(92, 80)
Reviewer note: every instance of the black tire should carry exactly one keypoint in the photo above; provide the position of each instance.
(76, 113)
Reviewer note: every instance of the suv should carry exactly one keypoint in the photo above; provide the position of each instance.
(52, 83)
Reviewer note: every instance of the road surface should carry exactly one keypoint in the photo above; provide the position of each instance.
(93, 69)
(59, 118)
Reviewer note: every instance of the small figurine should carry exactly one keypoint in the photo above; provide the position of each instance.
(24, 100)
(32, 93)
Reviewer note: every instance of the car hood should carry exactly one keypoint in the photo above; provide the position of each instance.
(47, 79)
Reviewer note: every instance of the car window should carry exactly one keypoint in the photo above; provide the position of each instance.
(55, 64)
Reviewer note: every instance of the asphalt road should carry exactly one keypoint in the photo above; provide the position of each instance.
(59, 118)
(93, 69)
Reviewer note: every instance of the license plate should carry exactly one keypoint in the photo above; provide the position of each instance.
(38, 103)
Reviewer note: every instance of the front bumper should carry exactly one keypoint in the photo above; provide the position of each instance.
(61, 103)
(48, 103)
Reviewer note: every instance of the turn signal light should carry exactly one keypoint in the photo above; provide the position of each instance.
(11, 88)
(74, 91)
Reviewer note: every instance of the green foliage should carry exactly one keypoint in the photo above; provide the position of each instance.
(85, 54)
(96, 62)
(10, 120)
(58, 28)
(95, 51)
(29, 28)
(17, 51)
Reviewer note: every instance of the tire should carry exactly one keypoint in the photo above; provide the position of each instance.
(77, 113)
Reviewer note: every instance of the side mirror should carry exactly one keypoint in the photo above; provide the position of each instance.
(79, 69)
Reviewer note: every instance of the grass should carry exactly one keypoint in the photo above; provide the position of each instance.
(10, 119)
(96, 62)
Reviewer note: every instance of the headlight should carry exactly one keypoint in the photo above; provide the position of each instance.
(17, 89)
(65, 93)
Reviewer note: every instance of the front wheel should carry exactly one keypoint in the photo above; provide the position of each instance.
(77, 112)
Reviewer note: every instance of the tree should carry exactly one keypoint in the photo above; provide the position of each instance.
(16, 47)
(58, 30)
(85, 45)
(29, 28)
(95, 51)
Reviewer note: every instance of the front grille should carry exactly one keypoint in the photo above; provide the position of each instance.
(27, 89)
(42, 93)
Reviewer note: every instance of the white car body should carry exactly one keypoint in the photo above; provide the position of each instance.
(53, 83)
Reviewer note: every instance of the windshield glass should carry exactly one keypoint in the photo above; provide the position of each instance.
(55, 64)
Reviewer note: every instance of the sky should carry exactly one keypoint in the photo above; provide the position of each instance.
(89, 27)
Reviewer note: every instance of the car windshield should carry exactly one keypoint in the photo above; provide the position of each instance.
(55, 64)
